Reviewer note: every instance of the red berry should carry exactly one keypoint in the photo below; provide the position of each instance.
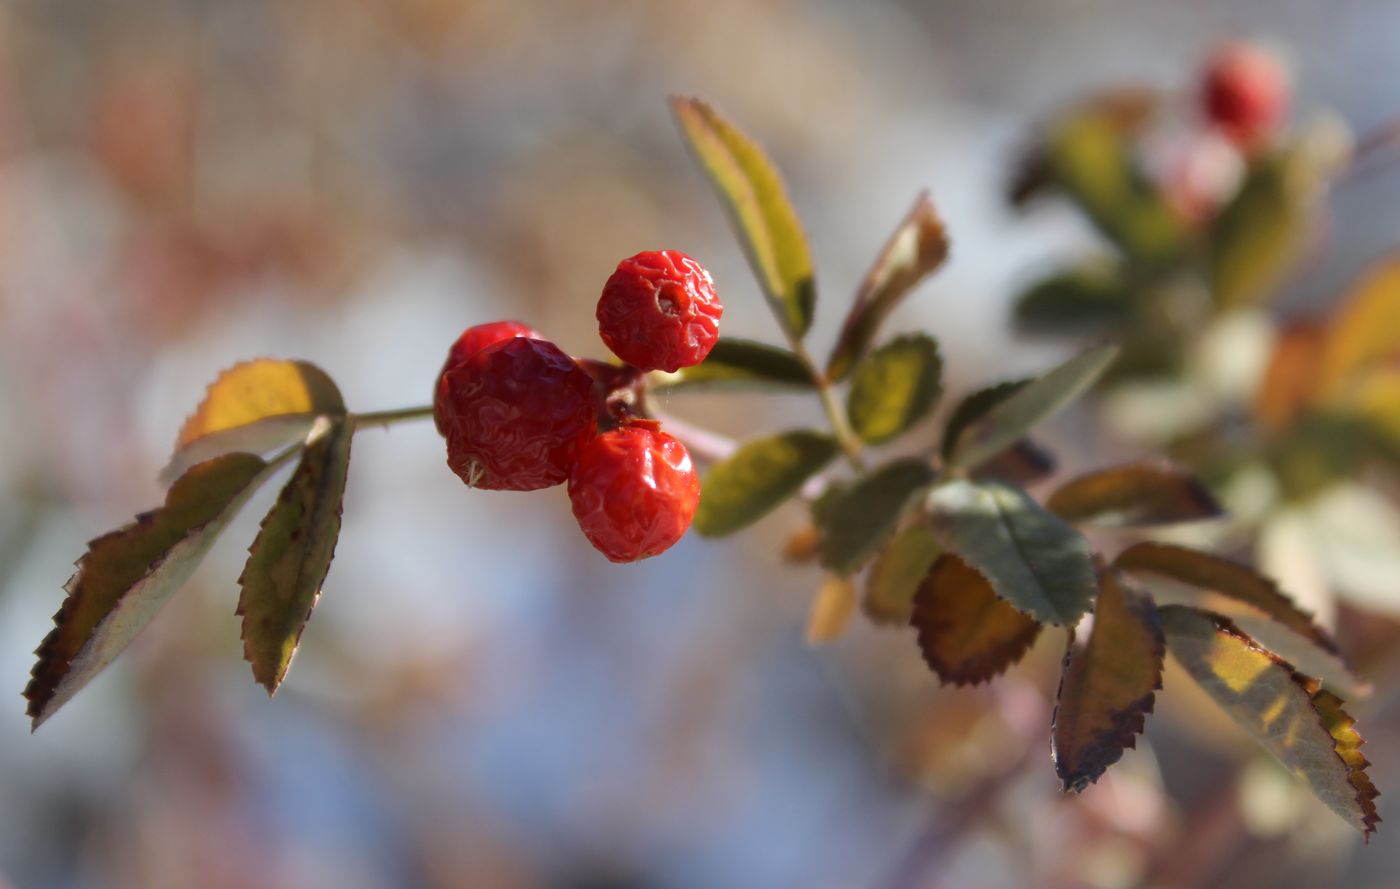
(515, 414)
(473, 340)
(659, 311)
(1245, 92)
(634, 491)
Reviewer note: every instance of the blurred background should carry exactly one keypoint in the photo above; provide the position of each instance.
(481, 700)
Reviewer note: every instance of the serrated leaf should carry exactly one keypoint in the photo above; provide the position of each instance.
(831, 611)
(1091, 156)
(895, 388)
(292, 553)
(1366, 330)
(918, 246)
(967, 633)
(972, 408)
(1348, 744)
(757, 478)
(1259, 236)
(736, 364)
(1145, 493)
(1032, 558)
(1211, 572)
(1087, 297)
(126, 576)
(864, 515)
(1277, 707)
(756, 201)
(255, 406)
(1107, 686)
(896, 574)
(1012, 417)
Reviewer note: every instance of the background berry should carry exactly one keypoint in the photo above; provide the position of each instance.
(659, 311)
(1245, 93)
(514, 415)
(472, 341)
(634, 491)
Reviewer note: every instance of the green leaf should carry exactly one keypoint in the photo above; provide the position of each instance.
(1309, 734)
(126, 576)
(968, 634)
(1145, 493)
(973, 407)
(1091, 155)
(1032, 558)
(896, 574)
(859, 520)
(918, 246)
(758, 207)
(758, 477)
(735, 364)
(1009, 419)
(291, 555)
(1107, 686)
(1259, 237)
(1087, 297)
(255, 406)
(895, 388)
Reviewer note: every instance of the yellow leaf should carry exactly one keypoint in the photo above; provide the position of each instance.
(831, 610)
(255, 406)
(1366, 330)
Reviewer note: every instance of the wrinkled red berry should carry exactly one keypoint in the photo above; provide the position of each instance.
(515, 414)
(473, 340)
(634, 491)
(1245, 92)
(659, 311)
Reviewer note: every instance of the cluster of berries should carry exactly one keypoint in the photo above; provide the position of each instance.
(519, 414)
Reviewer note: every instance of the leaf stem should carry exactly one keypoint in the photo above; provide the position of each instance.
(386, 419)
(840, 426)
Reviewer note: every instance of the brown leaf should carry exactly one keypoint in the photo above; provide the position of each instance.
(967, 633)
(1023, 464)
(255, 406)
(1211, 572)
(918, 246)
(1304, 729)
(1290, 381)
(126, 576)
(1107, 686)
(292, 554)
(1147, 493)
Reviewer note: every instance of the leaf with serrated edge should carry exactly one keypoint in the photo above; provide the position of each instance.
(896, 574)
(737, 364)
(895, 388)
(1031, 557)
(1348, 743)
(1010, 419)
(292, 553)
(973, 407)
(126, 576)
(831, 611)
(967, 633)
(918, 246)
(255, 406)
(1276, 706)
(865, 514)
(756, 200)
(1148, 493)
(1215, 573)
(757, 478)
(1107, 686)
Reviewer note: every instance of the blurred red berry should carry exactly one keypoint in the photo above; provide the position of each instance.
(1245, 92)
(659, 311)
(634, 491)
(473, 340)
(515, 415)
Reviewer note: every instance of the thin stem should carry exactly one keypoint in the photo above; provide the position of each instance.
(389, 418)
(840, 427)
